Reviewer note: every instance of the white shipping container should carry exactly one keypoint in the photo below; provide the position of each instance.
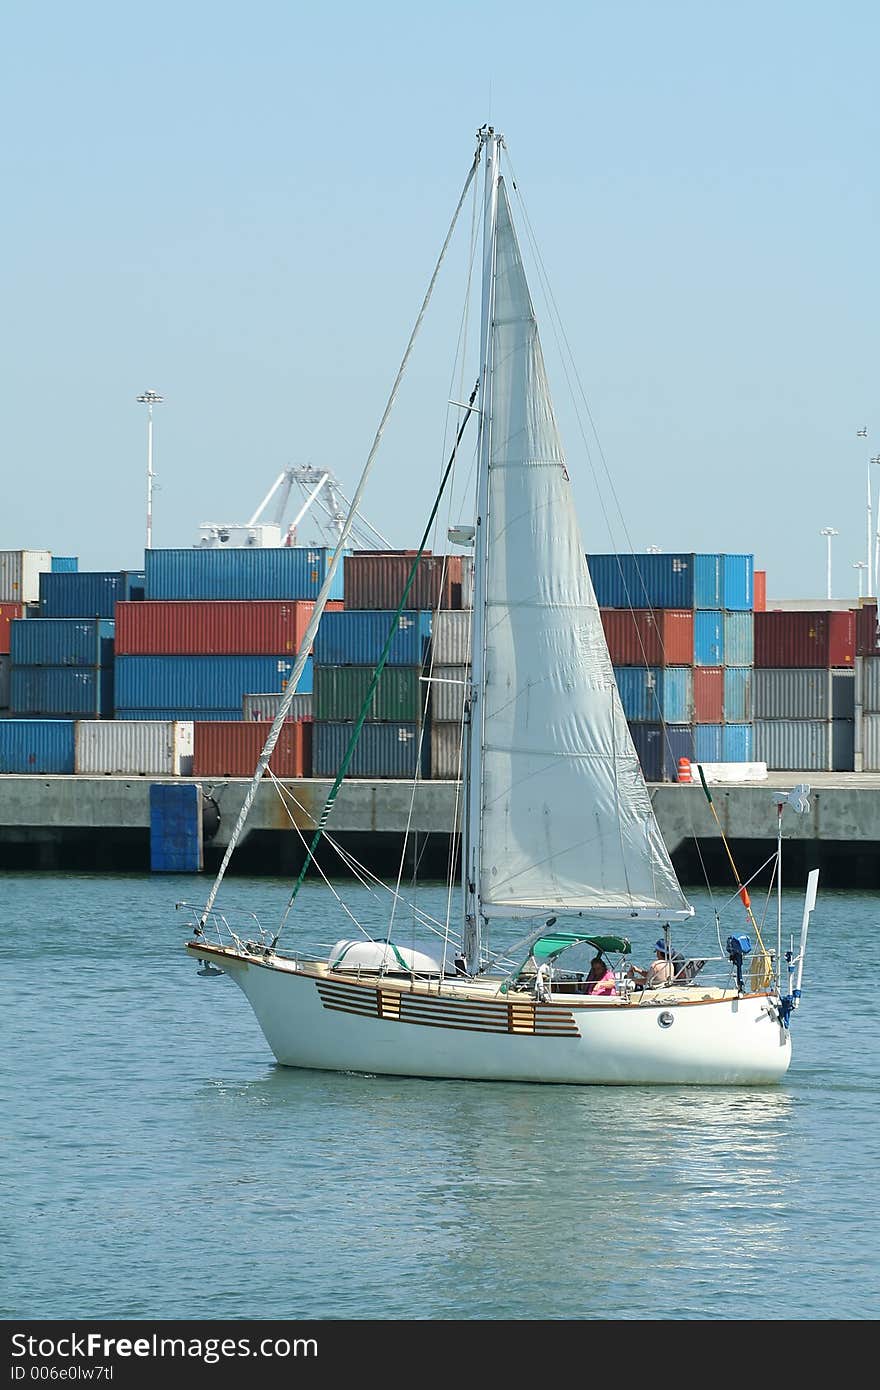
(868, 683)
(20, 572)
(134, 747)
(448, 686)
(446, 752)
(265, 707)
(870, 742)
(451, 641)
(5, 667)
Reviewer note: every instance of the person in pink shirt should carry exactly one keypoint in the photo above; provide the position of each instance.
(600, 979)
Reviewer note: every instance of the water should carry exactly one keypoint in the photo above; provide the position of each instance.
(157, 1164)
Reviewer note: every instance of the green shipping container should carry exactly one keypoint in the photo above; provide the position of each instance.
(340, 691)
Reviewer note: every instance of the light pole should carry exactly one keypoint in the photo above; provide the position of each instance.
(861, 566)
(149, 399)
(876, 571)
(828, 532)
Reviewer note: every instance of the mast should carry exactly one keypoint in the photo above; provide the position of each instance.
(491, 143)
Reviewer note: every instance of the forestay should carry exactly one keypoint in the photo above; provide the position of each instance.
(566, 819)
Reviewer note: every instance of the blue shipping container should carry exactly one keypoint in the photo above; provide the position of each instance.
(736, 743)
(70, 690)
(659, 748)
(708, 745)
(708, 638)
(739, 581)
(708, 578)
(739, 639)
(37, 745)
(382, 750)
(161, 682)
(228, 716)
(61, 641)
(83, 594)
(642, 581)
(64, 564)
(357, 638)
(653, 693)
(737, 694)
(241, 573)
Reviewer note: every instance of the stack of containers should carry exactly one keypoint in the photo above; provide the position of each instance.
(395, 738)
(680, 631)
(867, 689)
(804, 690)
(450, 673)
(62, 667)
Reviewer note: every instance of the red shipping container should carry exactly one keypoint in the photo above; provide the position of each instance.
(708, 694)
(760, 590)
(867, 633)
(8, 612)
(841, 638)
(649, 637)
(227, 749)
(796, 638)
(264, 627)
(377, 580)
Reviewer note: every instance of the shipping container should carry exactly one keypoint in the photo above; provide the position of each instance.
(265, 707)
(382, 750)
(656, 693)
(870, 723)
(709, 694)
(737, 743)
(709, 743)
(358, 639)
(642, 581)
(737, 707)
(167, 682)
(142, 748)
(446, 750)
(797, 638)
(378, 580)
(82, 594)
(204, 628)
(708, 581)
(867, 692)
(20, 572)
(37, 745)
(185, 716)
(660, 747)
(646, 637)
(449, 686)
(793, 745)
(843, 695)
(282, 572)
(842, 745)
(340, 692)
(867, 631)
(64, 564)
(792, 693)
(760, 591)
(233, 750)
(9, 613)
(5, 665)
(62, 690)
(738, 587)
(739, 639)
(708, 637)
(451, 643)
(62, 642)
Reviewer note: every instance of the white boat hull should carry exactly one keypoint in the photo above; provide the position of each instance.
(315, 1018)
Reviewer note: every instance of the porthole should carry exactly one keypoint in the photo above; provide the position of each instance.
(666, 1019)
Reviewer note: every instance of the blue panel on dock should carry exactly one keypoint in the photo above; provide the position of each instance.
(175, 829)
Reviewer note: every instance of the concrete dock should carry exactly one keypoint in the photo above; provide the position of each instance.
(103, 822)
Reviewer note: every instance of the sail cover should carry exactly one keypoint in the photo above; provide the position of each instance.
(566, 818)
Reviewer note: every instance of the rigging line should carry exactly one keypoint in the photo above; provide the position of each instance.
(743, 892)
(349, 752)
(308, 636)
(365, 876)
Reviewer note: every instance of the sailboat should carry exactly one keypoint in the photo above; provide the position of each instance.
(558, 832)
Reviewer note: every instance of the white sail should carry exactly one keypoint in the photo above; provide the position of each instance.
(566, 820)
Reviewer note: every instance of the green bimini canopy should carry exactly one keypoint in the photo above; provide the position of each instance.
(549, 947)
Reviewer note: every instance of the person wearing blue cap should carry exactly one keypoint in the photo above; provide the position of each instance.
(661, 971)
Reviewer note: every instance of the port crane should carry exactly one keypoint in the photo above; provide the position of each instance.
(320, 498)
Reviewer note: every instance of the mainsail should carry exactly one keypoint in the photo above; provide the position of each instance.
(565, 818)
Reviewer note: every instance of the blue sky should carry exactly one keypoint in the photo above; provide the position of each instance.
(240, 206)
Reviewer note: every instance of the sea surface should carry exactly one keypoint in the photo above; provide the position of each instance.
(157, 1164)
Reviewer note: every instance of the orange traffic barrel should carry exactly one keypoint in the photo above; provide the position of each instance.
(684, 770)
